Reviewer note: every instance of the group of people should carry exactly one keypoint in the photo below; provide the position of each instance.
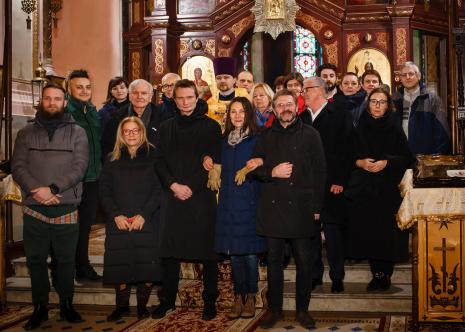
(251, 170)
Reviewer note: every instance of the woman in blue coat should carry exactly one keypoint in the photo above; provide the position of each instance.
(236, 220)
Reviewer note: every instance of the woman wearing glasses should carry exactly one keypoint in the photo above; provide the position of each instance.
(130, 196)
(380, 156)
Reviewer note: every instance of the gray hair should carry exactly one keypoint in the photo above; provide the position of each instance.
(167, 76)
(319, 81)
(411, 64)
(137, 82)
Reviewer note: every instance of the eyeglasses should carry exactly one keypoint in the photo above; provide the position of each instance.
(128, 132)
(167, 86)
(283, 106)
(409, 74)
(380, 102)
(310, 87)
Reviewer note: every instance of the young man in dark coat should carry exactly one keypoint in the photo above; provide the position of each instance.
(184, 143)
(140, 95)
(49, 163)
(293, 175)
(334, 124)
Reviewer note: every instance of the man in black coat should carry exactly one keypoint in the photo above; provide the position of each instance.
(140, 95)
(334, 125)
(292, 167)
(187, 146)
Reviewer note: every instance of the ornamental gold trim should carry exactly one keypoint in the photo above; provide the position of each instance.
(275, 16)
(159, 56)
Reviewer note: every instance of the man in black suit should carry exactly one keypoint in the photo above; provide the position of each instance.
(334, 125)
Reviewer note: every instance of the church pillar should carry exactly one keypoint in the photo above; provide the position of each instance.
(165, 54)
(135, 44)
(401, 33)
(257, 57)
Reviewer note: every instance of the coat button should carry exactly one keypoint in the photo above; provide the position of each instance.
(295, 147)
(291, 183)
(272, 201)
(290, 202)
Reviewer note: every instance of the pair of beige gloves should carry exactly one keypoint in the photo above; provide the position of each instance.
(214, 177)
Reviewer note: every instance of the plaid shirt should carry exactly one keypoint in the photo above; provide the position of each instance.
(70, 218)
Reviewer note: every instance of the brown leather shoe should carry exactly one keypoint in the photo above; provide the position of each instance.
(304, 319)
(270, 319)
(237, 307)
(248, 311)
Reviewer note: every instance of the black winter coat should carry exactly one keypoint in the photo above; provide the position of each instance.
(334, 125)
(286, 207)
(130, 187)
(375, 197)
(109, 134)
(188, 226)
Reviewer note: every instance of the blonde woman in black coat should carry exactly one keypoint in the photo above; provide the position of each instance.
(130, 195)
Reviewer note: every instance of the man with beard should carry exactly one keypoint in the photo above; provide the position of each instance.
(188, 146)
(291, 164)
(49, 162)
(140, 95)
(334, 125)
(86, 116)
(225, 69)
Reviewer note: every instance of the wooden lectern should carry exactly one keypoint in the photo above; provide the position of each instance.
(437, 216)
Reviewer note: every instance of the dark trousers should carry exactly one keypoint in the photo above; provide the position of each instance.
(87, 216)
(171, 267)
(334, 251)
(38, 237)
(245, 274)
(301, 249)
(123, 293)
(379, 266)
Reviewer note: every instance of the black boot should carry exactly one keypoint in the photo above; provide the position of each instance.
(68, 313)
(209, 310)
(143, 294)
(162, 309)
(122, 292)
(39, 316)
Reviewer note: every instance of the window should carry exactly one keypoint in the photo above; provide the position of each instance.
(306, 52)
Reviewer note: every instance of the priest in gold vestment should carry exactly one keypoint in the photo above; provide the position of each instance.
(225, 71)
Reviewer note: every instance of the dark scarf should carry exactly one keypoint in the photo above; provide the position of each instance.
(145, 117)
(51, 124)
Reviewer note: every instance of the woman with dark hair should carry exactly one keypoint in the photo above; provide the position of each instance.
(381, 155)
(236, 233)
(130, 196)
(117, 97)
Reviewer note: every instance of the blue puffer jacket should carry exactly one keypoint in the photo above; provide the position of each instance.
(428, 129)
(236, 232)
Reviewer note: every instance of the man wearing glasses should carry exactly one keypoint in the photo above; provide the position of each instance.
(293, 171)
(334, 125)
(140, 96)
(167, 104)
(421, 114)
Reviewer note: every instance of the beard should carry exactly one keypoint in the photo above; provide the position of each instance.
(52, 113)
(330, 86)
(288, 120)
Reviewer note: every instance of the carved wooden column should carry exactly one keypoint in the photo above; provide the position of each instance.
(401, 33)
(135, 44)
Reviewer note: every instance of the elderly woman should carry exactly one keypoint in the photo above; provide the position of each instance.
(117, 97)
(130, 196)
(236, 233)
(262, 95)
(381, 155)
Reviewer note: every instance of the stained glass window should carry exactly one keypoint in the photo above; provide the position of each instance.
(306, 52)
(245, 54)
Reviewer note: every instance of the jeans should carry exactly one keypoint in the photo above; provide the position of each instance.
(245, 274)
(303, 259)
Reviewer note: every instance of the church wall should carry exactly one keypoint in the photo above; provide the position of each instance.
(88, 36)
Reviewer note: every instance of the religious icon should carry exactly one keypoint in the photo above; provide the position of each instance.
(370, 58)
(202, 86)
(274, 9)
